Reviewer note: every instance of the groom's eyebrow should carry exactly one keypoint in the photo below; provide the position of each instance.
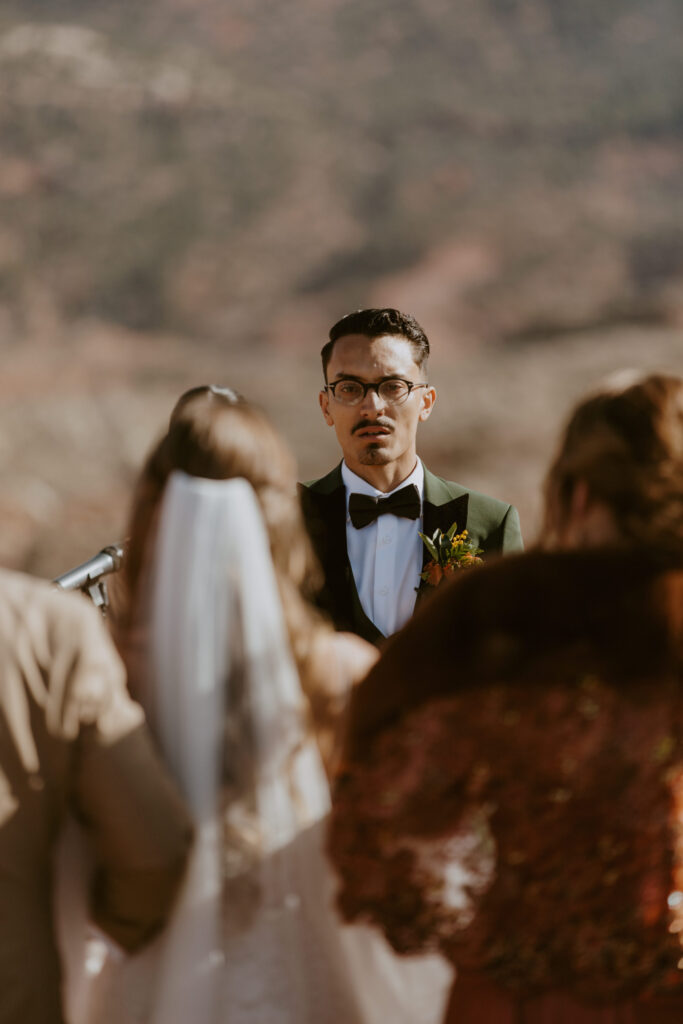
(364, 380)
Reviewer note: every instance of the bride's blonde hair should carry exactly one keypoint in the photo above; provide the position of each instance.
(625, 442)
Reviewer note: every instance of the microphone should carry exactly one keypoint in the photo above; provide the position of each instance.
(88, 574)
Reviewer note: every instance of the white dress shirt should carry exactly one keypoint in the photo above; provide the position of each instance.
(385, 556)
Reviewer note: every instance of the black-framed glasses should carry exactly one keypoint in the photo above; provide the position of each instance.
(392, 390)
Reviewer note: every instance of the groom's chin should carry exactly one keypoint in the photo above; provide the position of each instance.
(374, 456)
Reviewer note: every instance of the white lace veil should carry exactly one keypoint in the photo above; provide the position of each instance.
(255, 938)
(213, 568)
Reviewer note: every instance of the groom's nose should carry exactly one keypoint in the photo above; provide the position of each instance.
(372, 401)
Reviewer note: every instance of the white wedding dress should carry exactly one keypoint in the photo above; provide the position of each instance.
(255, 937)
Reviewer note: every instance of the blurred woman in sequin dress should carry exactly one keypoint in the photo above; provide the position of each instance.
(512, 791)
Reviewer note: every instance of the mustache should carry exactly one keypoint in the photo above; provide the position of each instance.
(382, 421)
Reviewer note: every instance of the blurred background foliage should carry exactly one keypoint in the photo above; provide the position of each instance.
(195, 190)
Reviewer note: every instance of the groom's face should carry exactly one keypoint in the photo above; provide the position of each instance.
(376, 432)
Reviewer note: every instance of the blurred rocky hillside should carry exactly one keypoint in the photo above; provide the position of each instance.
(193, 188)
(230, 169)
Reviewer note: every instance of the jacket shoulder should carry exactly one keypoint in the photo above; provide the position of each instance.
(60, 639)
(490, 510)
(483, 506)
(325, 484)
(493, 524)
(38, 606)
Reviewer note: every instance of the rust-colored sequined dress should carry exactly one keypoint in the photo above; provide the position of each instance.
(513, 790)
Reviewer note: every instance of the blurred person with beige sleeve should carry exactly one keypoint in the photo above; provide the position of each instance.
(72, 740)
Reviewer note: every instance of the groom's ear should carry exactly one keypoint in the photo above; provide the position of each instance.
(324, 400)
(427, 403)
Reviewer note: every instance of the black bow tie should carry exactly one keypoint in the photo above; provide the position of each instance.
(364, 510)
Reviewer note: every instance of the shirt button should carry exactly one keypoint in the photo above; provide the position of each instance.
(383, 591)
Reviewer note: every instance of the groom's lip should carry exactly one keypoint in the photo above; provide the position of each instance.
(371, 430)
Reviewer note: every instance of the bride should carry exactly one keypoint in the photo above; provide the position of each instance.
(243, 686)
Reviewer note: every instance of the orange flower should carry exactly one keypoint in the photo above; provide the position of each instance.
(435, 574)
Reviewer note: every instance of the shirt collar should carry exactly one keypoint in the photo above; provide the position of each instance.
(356, 485)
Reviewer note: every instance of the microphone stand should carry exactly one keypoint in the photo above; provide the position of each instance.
(88, 577)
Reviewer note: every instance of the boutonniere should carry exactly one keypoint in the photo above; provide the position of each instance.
(450, 551)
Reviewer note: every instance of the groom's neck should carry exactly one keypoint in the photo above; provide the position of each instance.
(384, 477)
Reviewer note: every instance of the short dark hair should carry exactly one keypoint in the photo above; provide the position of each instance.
(375, 323)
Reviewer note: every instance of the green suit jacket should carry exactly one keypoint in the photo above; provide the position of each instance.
(493, 526)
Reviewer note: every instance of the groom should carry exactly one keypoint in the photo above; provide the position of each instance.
(365, 516)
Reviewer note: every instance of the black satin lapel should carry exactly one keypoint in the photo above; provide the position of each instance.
(442, 517)
(362, 625)
(325, 516)
(343, 594)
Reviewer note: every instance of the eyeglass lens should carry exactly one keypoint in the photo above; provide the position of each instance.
(350, 392)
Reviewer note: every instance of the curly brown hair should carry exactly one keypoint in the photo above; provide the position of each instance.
(626, 444)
